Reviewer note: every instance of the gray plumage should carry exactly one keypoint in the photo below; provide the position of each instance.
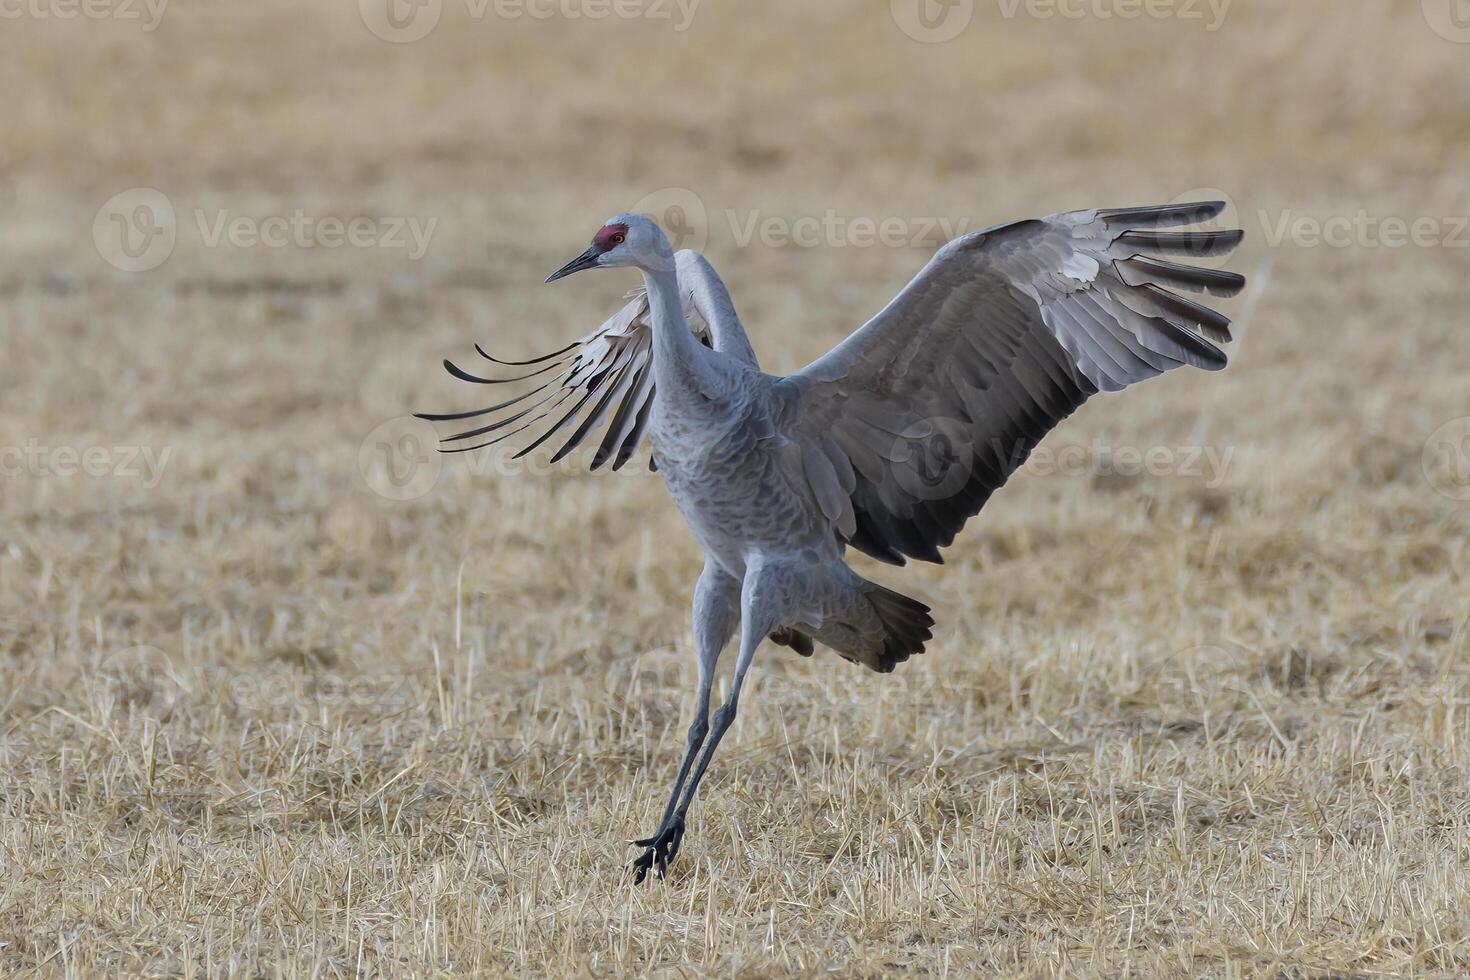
(888, 443)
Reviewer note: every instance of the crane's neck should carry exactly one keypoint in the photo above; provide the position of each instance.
(683, 368)
(712, 300)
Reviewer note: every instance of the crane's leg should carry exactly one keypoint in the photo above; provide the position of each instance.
(758, 617)
(716, 613)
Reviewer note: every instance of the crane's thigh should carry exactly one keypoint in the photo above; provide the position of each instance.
(716, 610)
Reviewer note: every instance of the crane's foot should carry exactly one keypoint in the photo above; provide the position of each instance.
(661, 849)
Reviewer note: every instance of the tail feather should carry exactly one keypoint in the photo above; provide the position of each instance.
(907, 626)
(902, 627)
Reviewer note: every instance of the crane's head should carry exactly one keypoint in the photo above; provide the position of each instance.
(625, 240)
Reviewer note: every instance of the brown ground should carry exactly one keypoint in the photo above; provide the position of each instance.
(257, 718)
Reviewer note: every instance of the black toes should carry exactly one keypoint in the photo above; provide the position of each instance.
(675, 839)
(660, 853)
(641, 867)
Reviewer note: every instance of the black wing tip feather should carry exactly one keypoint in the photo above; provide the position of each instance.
(1190, 244)
(1139, 269)
(1163, 215)
(464, 375)
(1214, 325)
(535, 360)
(455, 370)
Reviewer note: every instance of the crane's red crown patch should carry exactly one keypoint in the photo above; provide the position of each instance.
(610, 237)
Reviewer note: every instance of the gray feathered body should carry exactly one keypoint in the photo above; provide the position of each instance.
(738, 481)
(728, 468)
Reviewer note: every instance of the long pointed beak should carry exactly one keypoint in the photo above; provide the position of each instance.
(586, 260)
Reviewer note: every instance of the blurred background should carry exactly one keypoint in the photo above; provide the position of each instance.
(256, 634)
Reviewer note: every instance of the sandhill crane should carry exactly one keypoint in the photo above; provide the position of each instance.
(888, 443)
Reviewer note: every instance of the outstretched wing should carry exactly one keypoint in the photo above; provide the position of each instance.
(606, 378)
(909, 425)
(572, 391)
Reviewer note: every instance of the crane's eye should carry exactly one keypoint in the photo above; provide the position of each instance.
(619, 239)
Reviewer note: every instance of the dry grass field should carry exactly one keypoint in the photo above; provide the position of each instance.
(1199, 702)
